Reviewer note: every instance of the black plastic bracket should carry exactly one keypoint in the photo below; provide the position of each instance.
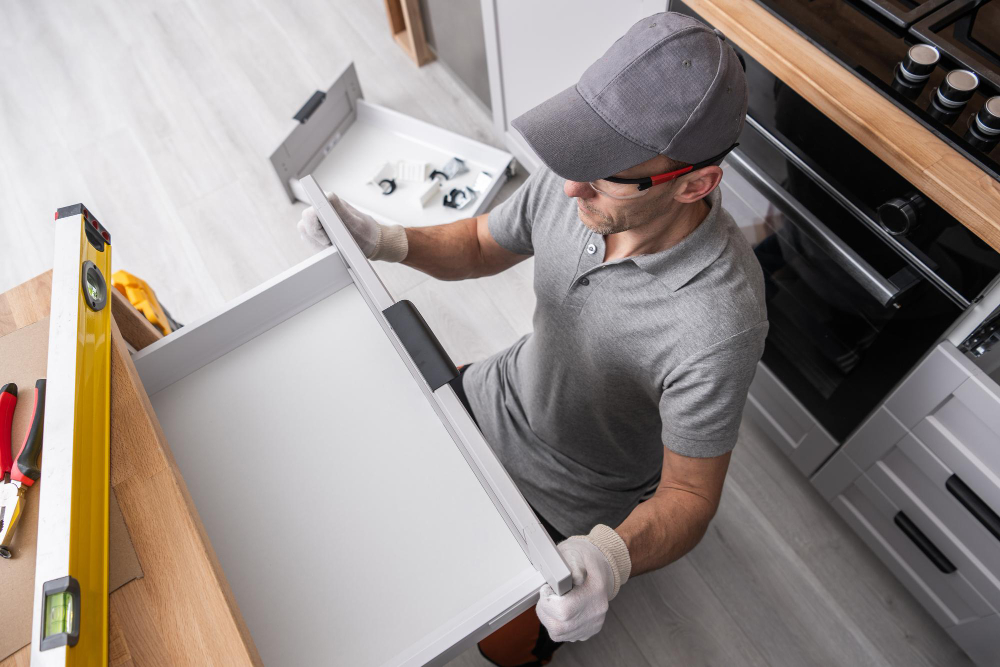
(74, 209)
(309, 107)
(95, 231)
(421, 344)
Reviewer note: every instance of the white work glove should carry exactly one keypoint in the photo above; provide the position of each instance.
(385, 242)
(600, 564)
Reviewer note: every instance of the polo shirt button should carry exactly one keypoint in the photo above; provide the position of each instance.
(584, 281)
(591, 249)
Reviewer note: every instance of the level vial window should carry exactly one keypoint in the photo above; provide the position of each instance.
(58, 614)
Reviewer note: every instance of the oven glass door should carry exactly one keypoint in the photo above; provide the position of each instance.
(847, 317)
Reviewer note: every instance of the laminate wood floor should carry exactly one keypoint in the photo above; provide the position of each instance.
(160, 115)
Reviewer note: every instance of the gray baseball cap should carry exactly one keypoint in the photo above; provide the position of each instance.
(670, 86)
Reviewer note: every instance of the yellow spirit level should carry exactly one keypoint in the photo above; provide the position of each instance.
(70, 624)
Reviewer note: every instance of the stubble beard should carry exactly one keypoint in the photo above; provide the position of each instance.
(604, 224)
(601, 223)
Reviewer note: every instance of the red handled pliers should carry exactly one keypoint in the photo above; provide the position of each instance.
(16, 476)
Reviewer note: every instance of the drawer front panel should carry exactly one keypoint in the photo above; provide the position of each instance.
(954, 586)
(787, 423)
(875, 437)
(940, 516)
(776, 401)
(977, 523)
(967, 417)
(960, 439)
(934, 379)
(902, 557)
(982, 396)
(836, 475)
(979, 638)
(813, 450)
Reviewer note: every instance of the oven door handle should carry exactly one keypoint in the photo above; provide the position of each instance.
(881, 288)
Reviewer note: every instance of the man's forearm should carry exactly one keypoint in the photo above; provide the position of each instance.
(446, 252)
(665, 527)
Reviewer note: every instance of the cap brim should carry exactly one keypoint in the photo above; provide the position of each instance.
(575, 142)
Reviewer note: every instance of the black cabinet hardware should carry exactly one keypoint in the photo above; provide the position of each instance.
(972, 502)
(923, 543)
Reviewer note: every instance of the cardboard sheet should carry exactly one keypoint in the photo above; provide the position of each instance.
(23, 356)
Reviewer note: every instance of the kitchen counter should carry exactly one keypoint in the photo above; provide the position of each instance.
(939, 171)
(181, 611)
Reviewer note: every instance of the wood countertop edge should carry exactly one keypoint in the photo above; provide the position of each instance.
(941, 172)
(230, 639)
(183, 608)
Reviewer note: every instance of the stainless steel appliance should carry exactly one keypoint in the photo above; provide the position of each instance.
(863, 272)
(939, 60)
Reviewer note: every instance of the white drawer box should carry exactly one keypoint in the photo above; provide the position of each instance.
(358, 514)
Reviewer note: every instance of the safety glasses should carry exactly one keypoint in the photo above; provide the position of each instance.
(632, 188)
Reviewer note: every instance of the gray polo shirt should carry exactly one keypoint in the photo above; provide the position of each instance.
(626, 356)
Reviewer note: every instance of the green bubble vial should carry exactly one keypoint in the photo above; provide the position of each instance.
(58, 613)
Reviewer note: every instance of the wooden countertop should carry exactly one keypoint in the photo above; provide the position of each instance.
(939, 171)
(182, 611)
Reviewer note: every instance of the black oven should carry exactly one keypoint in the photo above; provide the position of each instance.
(863, 273)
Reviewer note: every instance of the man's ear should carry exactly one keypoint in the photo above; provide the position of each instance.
(698, 184)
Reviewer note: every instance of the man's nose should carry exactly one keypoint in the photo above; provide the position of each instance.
(579, 190)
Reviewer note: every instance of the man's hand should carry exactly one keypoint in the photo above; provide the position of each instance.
(387, 243)
(600, 564)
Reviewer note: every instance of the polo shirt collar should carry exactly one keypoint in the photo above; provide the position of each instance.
(680, 263)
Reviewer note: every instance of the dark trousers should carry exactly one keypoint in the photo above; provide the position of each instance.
(524, 641)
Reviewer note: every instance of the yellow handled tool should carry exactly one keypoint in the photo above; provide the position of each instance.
(142, 296)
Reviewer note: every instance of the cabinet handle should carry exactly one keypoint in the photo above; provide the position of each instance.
(972, 502)
(307, 110)
(922, 542)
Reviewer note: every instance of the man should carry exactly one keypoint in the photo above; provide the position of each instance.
(617, 414)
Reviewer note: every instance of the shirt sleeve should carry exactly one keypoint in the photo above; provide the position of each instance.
(511, 222)
(702, 401)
